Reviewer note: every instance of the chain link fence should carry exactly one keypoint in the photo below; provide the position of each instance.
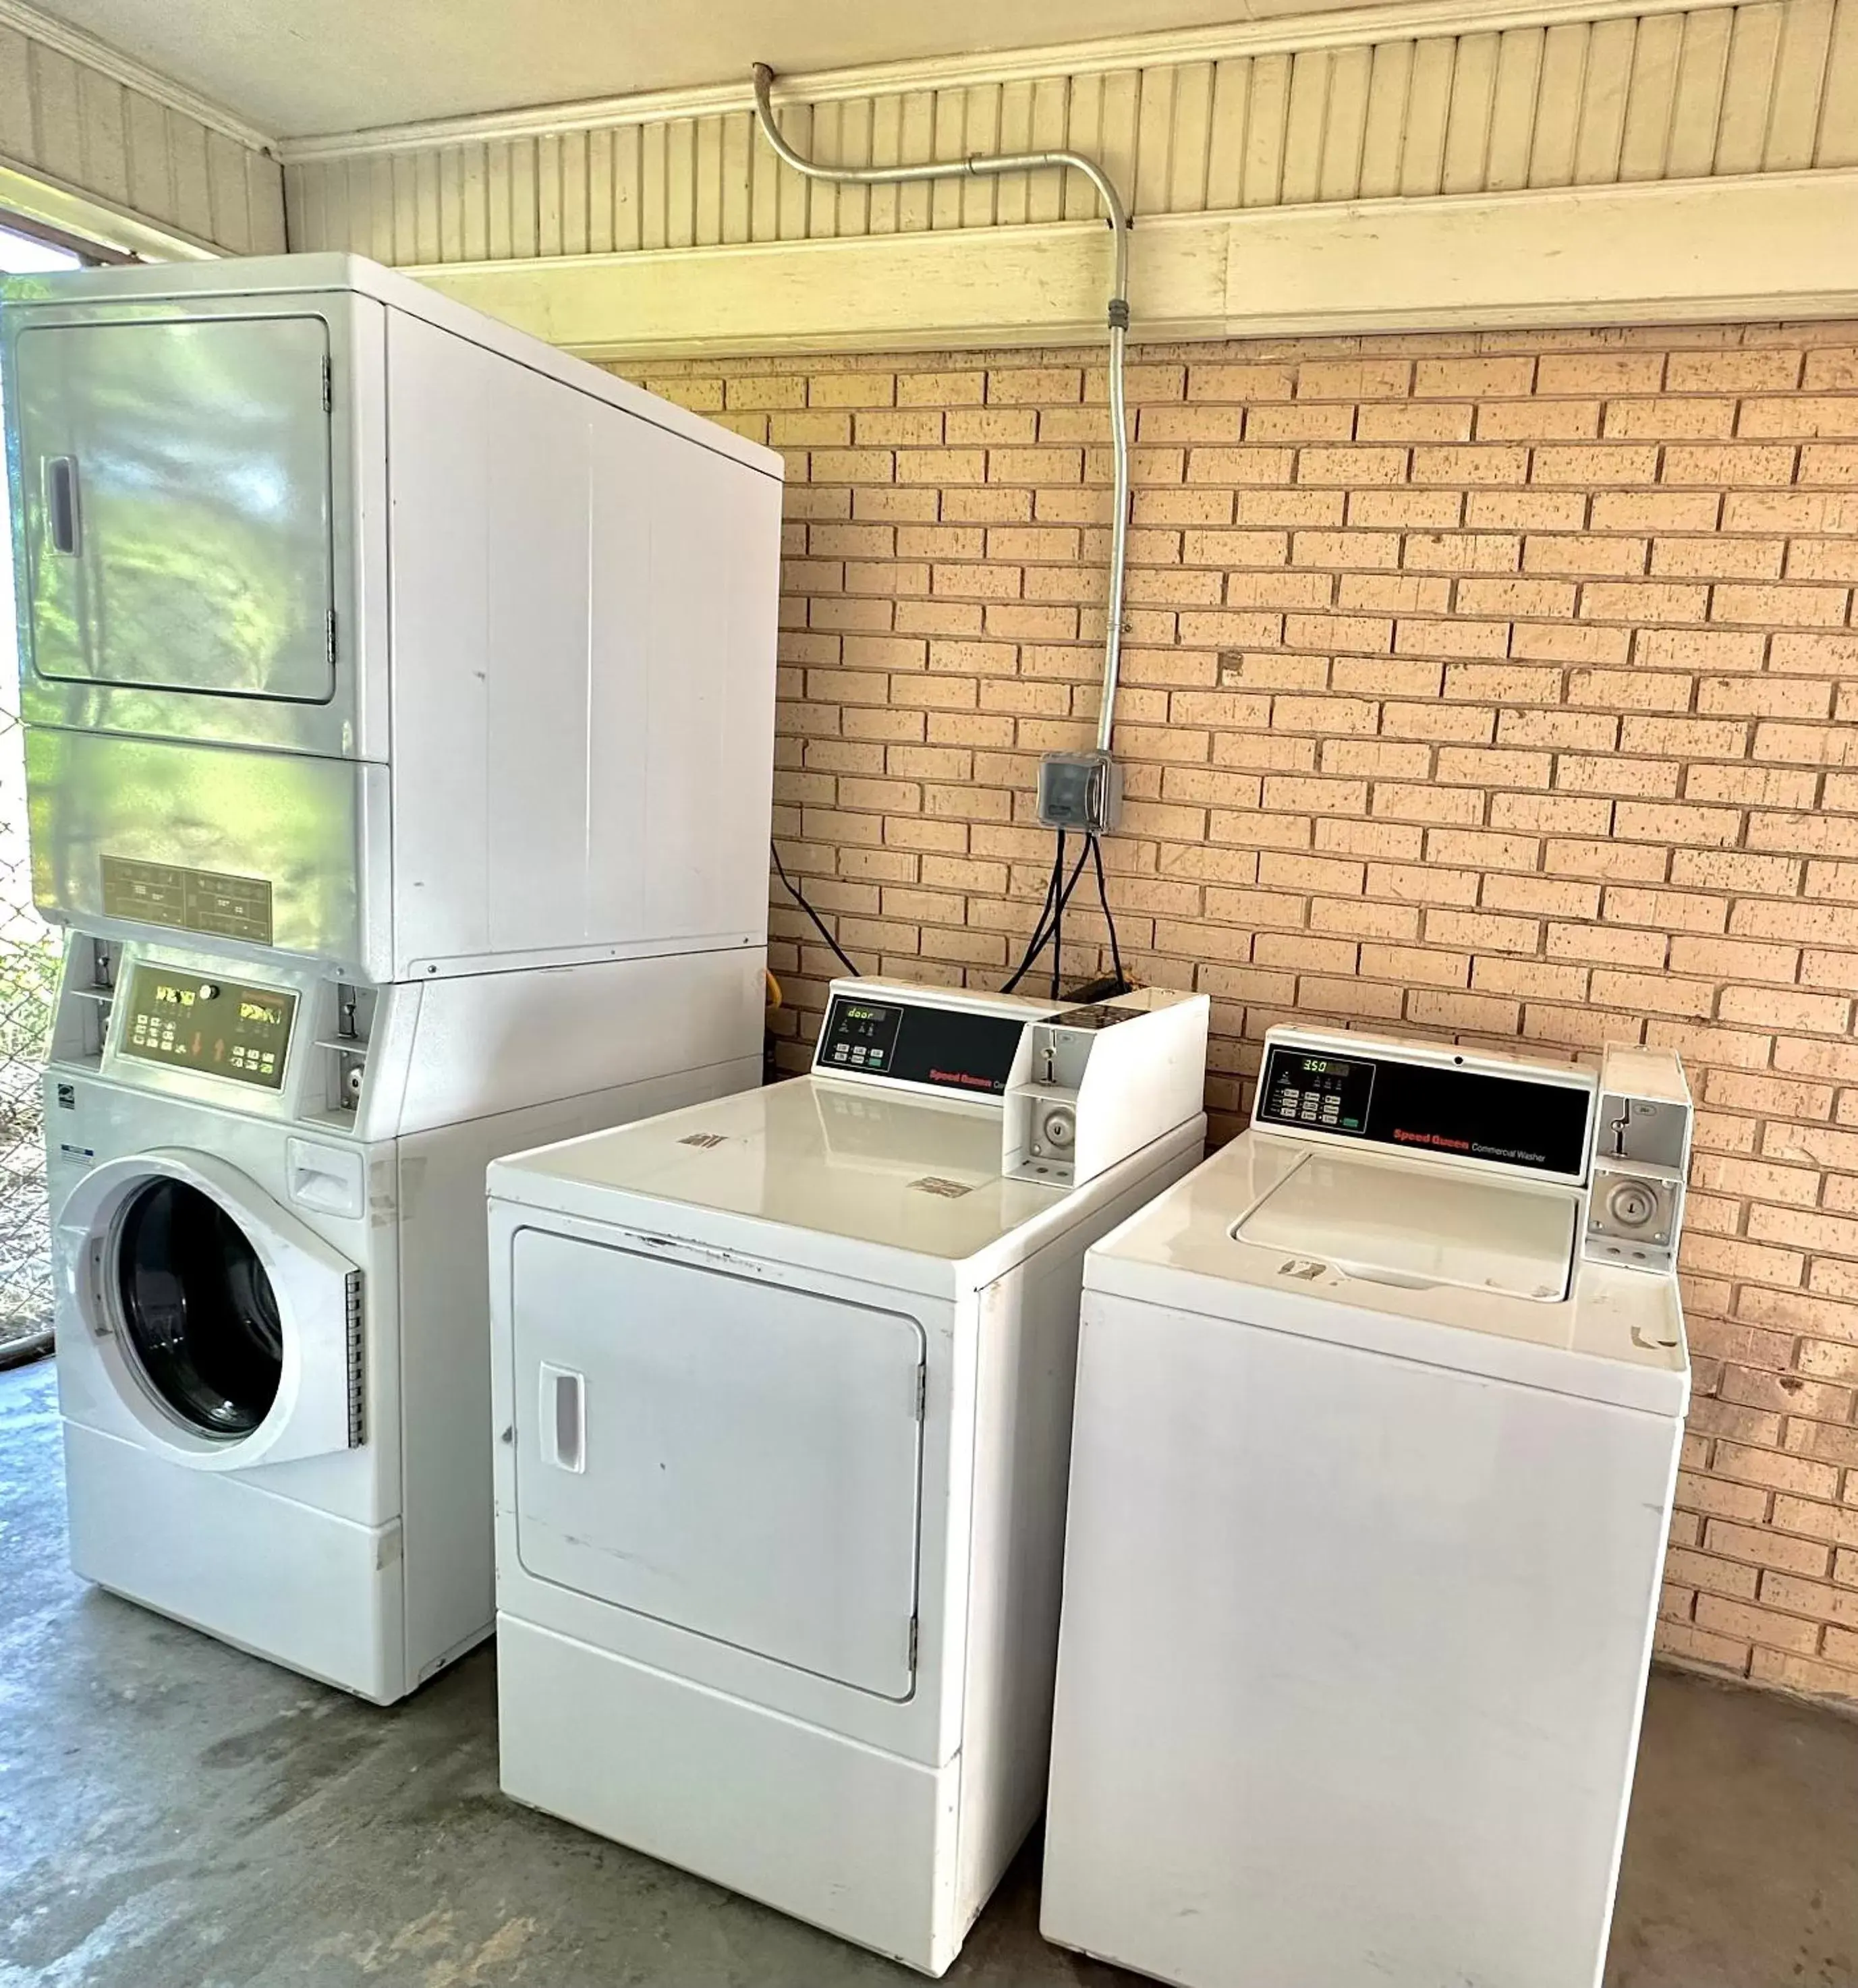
(28, 980)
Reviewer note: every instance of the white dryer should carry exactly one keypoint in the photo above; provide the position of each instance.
(1378, 1423)
(268, 1243)
(782, 1397)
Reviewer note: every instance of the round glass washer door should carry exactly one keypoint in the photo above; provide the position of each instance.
(197, 1309)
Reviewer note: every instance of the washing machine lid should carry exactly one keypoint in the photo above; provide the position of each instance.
(1398, 1257)
(1425, 1227)
(914, 1180)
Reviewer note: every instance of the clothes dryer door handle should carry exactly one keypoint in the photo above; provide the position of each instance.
(562, 1418)
(60, 496)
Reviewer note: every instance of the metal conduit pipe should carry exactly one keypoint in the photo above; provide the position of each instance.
(980, 165)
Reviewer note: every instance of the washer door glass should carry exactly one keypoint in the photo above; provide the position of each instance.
(199, 1310)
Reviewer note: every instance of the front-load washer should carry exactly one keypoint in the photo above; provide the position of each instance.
(782, 1402)
(268, 1217)
(1377, 1426)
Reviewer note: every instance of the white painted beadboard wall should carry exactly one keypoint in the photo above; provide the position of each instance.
(1384, 103)
(77, 119)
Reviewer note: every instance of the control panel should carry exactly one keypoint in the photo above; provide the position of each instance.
(1429, 1099)
(1331, 1093)
(227, 1029)
(950, 1049)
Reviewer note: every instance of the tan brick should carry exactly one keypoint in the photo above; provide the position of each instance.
(1539, 421)
(940, 390)
(1592, 464)
(1718, 464)
(1719, 558)
(1419, 421)
(1450, 379)
(1365, 464)
(1243, 382)
(1499, 510)
(1726, 1618)
(1669, 416)
(1599, 373)
(1660, 511)
(1514, 598)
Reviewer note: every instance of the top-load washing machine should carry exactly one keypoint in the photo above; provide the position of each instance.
(783, 1396)
(1378, 1423)
(399, 710)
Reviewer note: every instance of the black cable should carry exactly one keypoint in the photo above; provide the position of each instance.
(794, 891)
(1103, 899)
(1053, 884)
(1042, 933)
(1057, 923)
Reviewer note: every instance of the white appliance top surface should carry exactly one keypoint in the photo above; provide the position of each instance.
(1401, 1257)
(906, 1173)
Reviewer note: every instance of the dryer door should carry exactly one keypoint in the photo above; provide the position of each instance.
(733, 1456)
(230, 1331)
(176, 495)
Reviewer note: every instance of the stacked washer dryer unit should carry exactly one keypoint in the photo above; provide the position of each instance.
(1378, 1423)
(782, 1392)
(399, 699)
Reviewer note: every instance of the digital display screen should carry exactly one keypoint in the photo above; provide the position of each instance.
(951, 1048)
(193, 1022)
(1517, 1121)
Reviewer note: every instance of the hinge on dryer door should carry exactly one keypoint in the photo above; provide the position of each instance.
(915, 1631)
(329, 386)
(922, 1390)
(329, 636)
(357, 1425)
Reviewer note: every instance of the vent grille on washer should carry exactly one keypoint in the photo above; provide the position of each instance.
(357, 1425)
(706, 1139)
(948, 1189)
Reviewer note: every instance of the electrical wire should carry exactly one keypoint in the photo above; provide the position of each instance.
(1117, 320)
(1054, 883)
(1103, 899)
(794, 891)
(1053, 910)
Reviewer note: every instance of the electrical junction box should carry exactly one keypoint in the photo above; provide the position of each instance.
(1080, 791)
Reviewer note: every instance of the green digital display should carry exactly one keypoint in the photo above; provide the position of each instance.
(191, 1022)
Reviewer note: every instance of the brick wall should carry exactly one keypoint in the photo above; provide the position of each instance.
(1499, 687)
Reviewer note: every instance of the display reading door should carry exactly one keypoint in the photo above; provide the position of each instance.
(736, 1458)
(175, 482)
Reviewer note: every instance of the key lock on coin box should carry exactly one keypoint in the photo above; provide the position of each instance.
(1641, 1158)
(1075, 1103)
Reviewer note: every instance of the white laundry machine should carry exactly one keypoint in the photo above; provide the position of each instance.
(782, 1398)
(1378, 1420)
(399, 707)
(356, 625)
(273, 1361)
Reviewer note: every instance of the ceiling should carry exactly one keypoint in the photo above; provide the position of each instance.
(294, 70)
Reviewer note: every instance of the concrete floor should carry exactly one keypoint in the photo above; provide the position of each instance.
(175, 1815)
